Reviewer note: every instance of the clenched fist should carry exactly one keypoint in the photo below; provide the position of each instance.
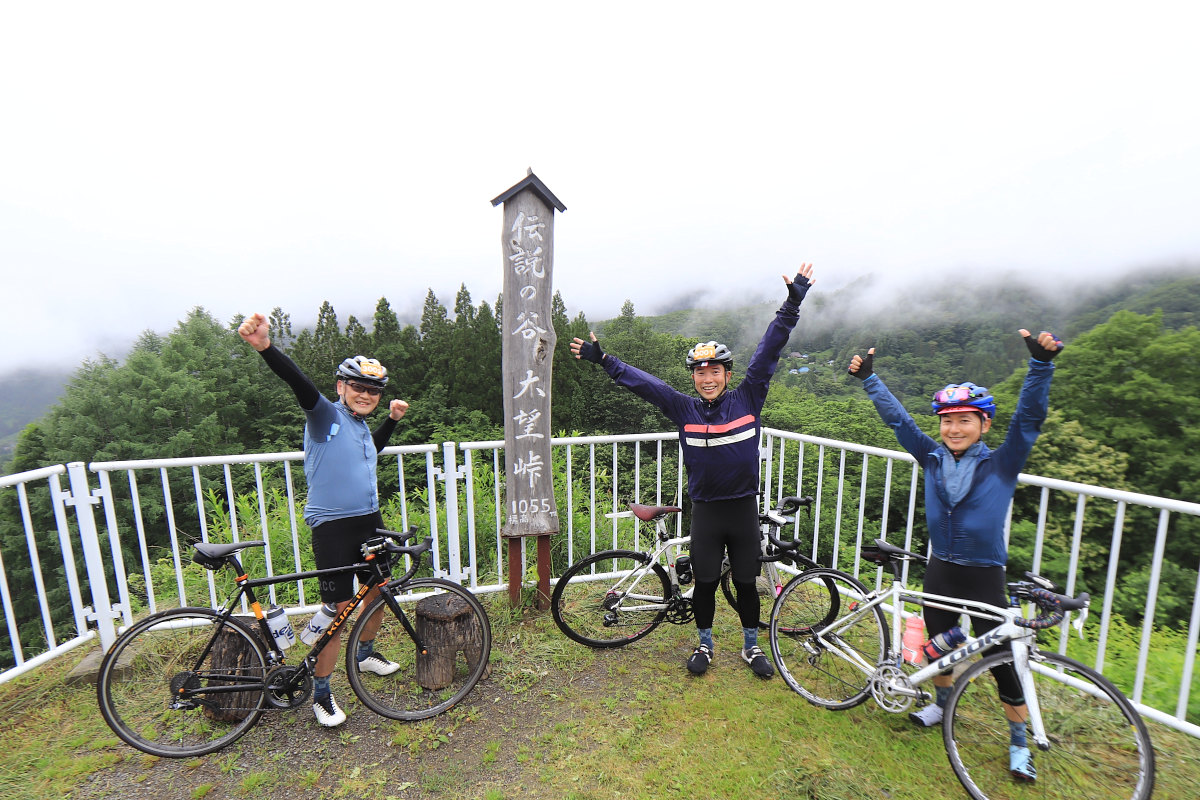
(256, 331)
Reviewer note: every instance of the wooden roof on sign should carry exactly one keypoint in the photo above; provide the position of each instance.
(531, 181)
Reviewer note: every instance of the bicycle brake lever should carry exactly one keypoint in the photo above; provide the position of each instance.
(1079, 619)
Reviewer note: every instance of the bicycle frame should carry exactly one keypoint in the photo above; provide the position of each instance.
(245, 586)
(1023, 642)
(773, 570)
(665, 543)
(635, 576)
(601, 600)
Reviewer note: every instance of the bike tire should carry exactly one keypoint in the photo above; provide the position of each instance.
(812, 631)
(457, 635)
(1099, 746)
(581, 601)
(142, 672)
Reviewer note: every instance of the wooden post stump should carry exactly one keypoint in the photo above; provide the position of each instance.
(447, 627)
(231, 654)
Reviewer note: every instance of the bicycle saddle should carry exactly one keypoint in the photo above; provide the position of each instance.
(651, 513)
(212, 554)
(882, 553)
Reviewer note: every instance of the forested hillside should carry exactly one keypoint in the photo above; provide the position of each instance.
(199, 390)
(25, 395)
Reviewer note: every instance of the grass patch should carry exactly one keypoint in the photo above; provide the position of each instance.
(554, 720)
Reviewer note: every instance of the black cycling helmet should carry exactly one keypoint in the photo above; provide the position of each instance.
(709, 353)
(366, 370)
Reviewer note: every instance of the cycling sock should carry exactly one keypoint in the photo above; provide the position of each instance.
(1016, 734)
(749, 638)
(365, 649)
(320, 687)
(943, 694)
(706, 637)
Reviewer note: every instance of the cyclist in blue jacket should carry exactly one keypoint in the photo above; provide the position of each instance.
(719, 433)
(968, 489)
(343, 496)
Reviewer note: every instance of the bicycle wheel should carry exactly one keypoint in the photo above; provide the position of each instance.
(825, 658)
(457, 636)
(1099, 746)
(611, 598)
(163, 686)
(766, 583)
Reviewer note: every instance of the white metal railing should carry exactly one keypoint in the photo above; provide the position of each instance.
(153, 508)
(784, 453)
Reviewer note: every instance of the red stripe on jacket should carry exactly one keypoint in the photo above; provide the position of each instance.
(728, 426)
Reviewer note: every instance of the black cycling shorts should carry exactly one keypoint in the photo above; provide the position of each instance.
(337, 543)
(726, 525)
(984, 585)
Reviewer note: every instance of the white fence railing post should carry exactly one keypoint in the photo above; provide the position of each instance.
(81, 498)
(451, 474)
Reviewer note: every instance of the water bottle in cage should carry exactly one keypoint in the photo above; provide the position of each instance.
(281, 628)
(943, 643)
(683, 569)
(912, 645)
(318, 624)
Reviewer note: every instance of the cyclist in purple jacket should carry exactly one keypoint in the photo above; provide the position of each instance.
(719, 434)
(968, 488)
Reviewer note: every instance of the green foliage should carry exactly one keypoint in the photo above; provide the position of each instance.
(614, 410)
(1176, 293)
(1167, 656)
(846, 419)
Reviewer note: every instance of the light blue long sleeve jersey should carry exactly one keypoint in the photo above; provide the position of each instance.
(967, 499)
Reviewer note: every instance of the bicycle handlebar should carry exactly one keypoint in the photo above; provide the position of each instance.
(776, 519)
(792, 504)
(393, 542)
(1055, 605)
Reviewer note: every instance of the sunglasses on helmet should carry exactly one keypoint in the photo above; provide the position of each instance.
(958, 394)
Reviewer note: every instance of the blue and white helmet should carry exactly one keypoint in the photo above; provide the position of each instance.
(964, 397)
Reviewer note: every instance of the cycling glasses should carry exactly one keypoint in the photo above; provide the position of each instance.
(374, 391)
(952, 395)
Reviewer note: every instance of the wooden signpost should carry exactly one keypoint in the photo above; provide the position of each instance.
(530, 509)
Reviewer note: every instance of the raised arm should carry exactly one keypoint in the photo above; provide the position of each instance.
(1044, 348)
(766, 356)
(893, 414)
(588, 351)
(798, 287)
(256, 331)
(381, 434)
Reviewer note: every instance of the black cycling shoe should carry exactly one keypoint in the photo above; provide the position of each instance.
(700, 659)
(759, 663)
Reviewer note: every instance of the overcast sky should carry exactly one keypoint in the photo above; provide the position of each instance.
(240, 156)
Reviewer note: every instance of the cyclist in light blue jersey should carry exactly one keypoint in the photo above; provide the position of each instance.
(340, 453)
